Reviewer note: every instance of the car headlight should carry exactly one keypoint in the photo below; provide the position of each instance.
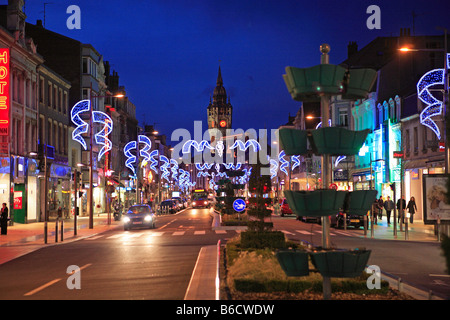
(148, 218)
(193, 203)
(126, 219)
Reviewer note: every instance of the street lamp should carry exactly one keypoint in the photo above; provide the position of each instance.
(446, 84)
(91, 170)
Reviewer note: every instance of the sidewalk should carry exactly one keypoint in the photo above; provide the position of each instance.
(25, 238)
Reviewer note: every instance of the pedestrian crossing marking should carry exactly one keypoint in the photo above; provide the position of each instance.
(178, 233)
(221, 231)
(303, 232)
(199, 232)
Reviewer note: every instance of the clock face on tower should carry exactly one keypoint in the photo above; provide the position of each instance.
(222, 123)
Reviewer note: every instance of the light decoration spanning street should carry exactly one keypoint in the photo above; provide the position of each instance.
(283, 162)
(153, 161)
(147, 146)
(165, 168)
(434, 106)
(243, 147)
(131, 158)
(102, 136)
(198, 146)
(82, 126)
(296, 161)
(174, 169)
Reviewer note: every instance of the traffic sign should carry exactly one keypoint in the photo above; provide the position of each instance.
(239, 205)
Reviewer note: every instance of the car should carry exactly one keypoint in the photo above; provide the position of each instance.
(168, 206)
(138, 216)
(200, 203)
(178, 203)
(285, 208)
(352, 220)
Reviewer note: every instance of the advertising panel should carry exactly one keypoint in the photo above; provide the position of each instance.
(434, 196)
(4, 92)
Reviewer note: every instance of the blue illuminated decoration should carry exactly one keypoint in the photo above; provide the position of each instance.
(153, 161)
(130, 157)
(434, 106)
(219, 148)
(251, 142)
(174, 169)
(232, 166)
(143, 152)
(165, 167)
(202, 174)
(198, 146)
(338, 160)
(82, 127)
(296, 160)
(102, 136)
(203, 166)
(273, 168)
(283, 162)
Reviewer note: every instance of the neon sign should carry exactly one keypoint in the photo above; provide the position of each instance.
(4, 92)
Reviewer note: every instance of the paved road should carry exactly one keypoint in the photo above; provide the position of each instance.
(417, 262)
(154, 264)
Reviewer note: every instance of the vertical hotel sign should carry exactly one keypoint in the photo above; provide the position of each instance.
(4, 92)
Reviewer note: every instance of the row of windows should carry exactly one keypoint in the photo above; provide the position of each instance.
(57, 99)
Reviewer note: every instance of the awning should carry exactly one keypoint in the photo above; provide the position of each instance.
(116, 182)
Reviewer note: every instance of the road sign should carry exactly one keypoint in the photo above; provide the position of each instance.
(239, 205)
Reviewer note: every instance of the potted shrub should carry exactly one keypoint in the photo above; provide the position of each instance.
(294, 263)
(340, 263)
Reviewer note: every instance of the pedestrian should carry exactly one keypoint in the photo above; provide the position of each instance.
(4, 219)
(380, 206)
(412, 208)
(401, 206)
(388, 206)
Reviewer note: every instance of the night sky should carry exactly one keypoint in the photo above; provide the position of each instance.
(167, 52)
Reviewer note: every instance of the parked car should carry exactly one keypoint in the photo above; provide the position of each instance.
(285, 208)
(337, 221)
(138, 216)
(168, 206)
(179, 203)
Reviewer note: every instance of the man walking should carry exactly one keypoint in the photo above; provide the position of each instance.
(401, 206)
(388, 206)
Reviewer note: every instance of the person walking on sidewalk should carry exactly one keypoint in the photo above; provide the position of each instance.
(380, 206)
(4, 219)
(388, 206)
(401, 206)
(412, 208)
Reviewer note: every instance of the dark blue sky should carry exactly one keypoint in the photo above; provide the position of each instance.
(167, 52)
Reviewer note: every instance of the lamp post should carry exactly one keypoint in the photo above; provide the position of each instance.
(91, 169)
(446, 93)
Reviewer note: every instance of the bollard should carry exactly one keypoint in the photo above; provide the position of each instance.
(62, 230)
(45, 231)
(56, 230)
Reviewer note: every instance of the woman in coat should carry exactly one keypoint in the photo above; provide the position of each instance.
(412, 208)
(4, 219)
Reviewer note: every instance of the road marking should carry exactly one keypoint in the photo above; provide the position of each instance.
(178, 233)
(168, 223)
(48, 284)
(440, 275)
(199, 232)
(95, 237)
(157, 234)
(286, 232)
(220, 231)
(304, 232)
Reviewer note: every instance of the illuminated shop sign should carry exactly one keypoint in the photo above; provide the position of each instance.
(4, 92)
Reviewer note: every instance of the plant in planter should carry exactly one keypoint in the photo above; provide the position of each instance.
(259, 234)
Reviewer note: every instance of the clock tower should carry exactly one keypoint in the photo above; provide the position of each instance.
(220, 110)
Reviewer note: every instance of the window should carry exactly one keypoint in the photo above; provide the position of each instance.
(343, 117)
(407, 142)
(416, 140)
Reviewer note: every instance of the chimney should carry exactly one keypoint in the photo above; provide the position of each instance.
(39, 23)
(352, 48)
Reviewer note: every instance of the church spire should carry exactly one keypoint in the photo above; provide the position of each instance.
(219, 78)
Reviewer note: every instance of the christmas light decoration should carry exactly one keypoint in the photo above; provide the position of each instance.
(153, 161)
(165, 167)
(130, 157)
(198, 146)
(434, 106)
(143, 152)
(283, 162)
(251, 142)
(82, 127)
(296, 160)
(102, 136)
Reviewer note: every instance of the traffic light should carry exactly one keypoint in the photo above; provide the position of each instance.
(392, 185)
